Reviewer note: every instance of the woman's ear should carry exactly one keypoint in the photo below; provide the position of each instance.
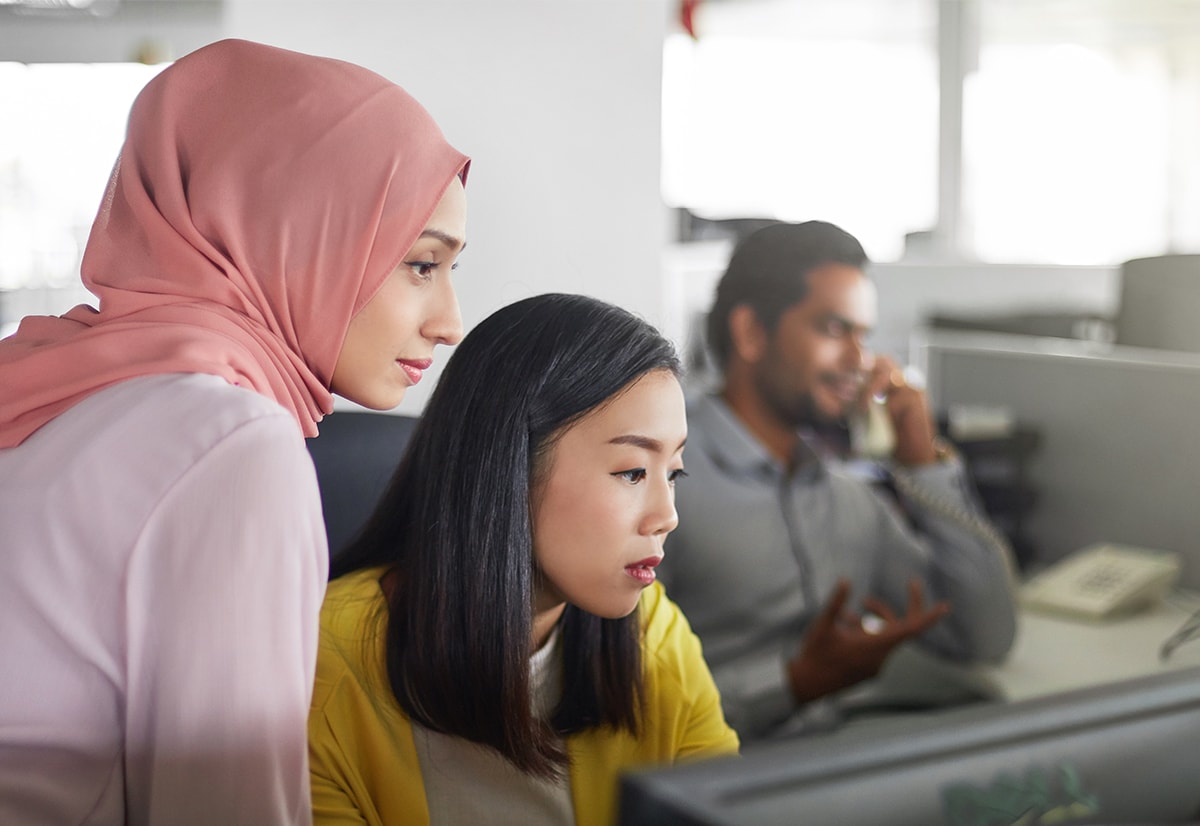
(747, 334)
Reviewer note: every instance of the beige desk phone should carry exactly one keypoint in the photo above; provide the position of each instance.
(1102, 581)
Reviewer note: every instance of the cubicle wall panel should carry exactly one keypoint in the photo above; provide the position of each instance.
(1119, 456)
(1160, 303)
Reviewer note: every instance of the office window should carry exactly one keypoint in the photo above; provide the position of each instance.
(1080, 134)
(64, 125)
(1080, 123)
(806, 110)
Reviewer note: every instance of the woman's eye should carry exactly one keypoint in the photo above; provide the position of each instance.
(633, 476)
(424, 269)
(675, 475)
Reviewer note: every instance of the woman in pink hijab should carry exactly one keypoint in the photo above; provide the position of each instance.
(277, 227)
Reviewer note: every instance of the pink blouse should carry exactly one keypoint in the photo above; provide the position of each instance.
(164, 561)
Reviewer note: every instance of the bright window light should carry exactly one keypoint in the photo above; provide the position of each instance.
(1066, 155)
(1080, 124)
(64, 126)
(775, 127)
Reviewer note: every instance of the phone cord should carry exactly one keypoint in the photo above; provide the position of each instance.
(910, 489)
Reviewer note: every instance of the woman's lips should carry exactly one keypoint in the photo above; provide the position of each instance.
(414, 368)
(643, 571)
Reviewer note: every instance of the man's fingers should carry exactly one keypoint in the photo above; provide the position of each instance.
(929, 619)
(833, 607)
(917, 618)
(916, 604)
(880, 609)
(879, 380)
(916, 596)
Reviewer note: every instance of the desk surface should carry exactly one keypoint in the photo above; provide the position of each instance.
(1054, 653)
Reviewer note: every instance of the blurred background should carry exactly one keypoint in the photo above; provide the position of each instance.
(1003, 162)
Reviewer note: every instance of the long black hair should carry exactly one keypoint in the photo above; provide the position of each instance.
(454, 529)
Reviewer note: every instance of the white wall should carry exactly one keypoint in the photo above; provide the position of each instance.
(556, 101)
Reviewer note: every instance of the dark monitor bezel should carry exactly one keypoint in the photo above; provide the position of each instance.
(708, 793)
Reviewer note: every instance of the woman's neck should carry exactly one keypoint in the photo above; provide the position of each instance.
(544, 620)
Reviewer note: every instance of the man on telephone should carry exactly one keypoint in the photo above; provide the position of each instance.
(799, 578)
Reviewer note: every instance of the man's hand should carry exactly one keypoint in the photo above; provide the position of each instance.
(839, 652)
(909, 411)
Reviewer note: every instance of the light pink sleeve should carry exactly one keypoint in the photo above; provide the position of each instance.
(224, 591)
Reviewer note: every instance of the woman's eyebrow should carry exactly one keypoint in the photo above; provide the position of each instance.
(446, 238)
(644, 442)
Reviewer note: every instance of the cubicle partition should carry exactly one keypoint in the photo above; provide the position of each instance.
(1119, 451)
(1160, 303)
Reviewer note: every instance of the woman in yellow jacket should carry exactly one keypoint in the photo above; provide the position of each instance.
(494, 647)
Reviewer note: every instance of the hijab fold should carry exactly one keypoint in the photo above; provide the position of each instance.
(260, 200)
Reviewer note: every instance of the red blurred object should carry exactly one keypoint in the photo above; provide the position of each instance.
(687, 16)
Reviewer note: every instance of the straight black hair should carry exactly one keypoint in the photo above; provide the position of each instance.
(769, 271)
(454, 530)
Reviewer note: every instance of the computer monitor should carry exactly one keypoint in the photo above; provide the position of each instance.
(1126, 752)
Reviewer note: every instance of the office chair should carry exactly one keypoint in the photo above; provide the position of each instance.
(355, 456)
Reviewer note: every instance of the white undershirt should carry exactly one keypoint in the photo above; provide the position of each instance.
(466, 783)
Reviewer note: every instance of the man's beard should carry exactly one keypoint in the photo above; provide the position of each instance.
(796, 408)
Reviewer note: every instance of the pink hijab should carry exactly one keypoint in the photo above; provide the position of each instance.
(261, 199)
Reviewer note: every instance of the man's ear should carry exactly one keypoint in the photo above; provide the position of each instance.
(747, 334)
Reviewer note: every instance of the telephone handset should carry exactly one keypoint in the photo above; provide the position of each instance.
(1100, 581)
(872, 434)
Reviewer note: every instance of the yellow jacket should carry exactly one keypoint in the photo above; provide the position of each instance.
(364, 763)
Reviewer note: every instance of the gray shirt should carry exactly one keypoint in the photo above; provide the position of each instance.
(758, 551)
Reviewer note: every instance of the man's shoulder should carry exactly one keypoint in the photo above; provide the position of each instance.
(714, 428)
(699, 405)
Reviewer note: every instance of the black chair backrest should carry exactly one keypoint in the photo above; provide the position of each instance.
(355, 457)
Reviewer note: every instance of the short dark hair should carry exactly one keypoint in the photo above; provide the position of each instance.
(768, 271)
(455, 527)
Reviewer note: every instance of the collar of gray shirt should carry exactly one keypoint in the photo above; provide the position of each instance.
(732, 447)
